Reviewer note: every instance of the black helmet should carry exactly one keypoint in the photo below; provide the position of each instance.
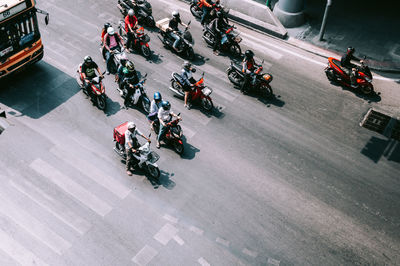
(88, 59)
(249, 54)
(186, 65)
(106, 25)
(175, 14)
(166, 105)
(350, 50)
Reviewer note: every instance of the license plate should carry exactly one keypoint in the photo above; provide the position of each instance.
(6, 51)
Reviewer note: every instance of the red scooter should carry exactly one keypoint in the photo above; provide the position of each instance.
(174, 134)
(140, 43)
(200, 93)
(336, 73)
(98, 91)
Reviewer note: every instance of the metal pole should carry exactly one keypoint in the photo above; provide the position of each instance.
(322, 31)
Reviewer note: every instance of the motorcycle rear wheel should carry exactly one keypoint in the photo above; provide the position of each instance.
(153, 171)
(330, 75)
(235, 50)
(233, 77)
(101, 102)
(193, 10)
(208, 38)
(177, 87)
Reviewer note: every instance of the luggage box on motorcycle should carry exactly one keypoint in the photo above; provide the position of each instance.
(163, 24)
(119, 133)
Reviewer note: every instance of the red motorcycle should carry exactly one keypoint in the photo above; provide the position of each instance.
(140, 43)
(173, 135)
(199, 94)
(97, 92)
(336, 73)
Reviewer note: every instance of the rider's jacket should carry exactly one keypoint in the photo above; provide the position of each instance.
(248, 65)
(130, 21)
(89, 69)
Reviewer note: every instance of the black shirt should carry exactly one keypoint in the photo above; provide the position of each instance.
(173, 23)
(89, 69)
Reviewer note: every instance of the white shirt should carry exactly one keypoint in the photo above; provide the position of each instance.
(129, 136)
(154, 106)
(164, 115)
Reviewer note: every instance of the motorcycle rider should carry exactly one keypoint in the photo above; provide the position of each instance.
(206, 7)
(128, 78)
(131, 145)
(248, 67)
(345, 62)
(131, 23)
(112, 41)
(187, 80)
(103, 33)
(88, 72)
(154, 107)
(174, 30)
(218, 26)
(164, 116)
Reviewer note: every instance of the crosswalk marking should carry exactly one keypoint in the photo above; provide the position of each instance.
(48, 203)
(33, 226)
(203, 262)
(71, 187)
(92, 172)
(19, 253)
(166, 233)
(145, 255)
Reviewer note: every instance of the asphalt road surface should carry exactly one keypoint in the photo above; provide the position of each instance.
(289, 181)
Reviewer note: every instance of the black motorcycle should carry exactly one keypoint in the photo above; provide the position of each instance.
(261, 84)
(197, 12)
(139, 96)
(142, 8)
(230, 39)
(185, 47)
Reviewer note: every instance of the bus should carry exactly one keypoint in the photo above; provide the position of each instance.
(20, 42)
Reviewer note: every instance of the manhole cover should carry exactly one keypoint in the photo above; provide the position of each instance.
(382, 124)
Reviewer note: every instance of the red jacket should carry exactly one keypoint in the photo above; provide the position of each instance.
(204, 3)
(130, 21)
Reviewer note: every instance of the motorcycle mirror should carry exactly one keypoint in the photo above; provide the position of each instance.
(189, 22)
(145, 76)
(202, 75)
(262, 61)
(178, 114)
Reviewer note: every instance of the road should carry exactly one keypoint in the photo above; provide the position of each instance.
(289, 181)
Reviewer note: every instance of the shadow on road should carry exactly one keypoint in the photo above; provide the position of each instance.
(378, 147)
(190, 150)
(374, 97)
(37, 90)
(274, 100)
(112, 107)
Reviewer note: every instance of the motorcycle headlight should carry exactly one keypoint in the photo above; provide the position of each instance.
(267, 77)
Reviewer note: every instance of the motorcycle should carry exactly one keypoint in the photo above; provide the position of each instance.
(229, 42)
(186, 43)
(141, 42)
(139, 97)
(145, 156)
(335, 73)
(98, 92)
(261, 85)
(173, 135)
(200, 93)
(142, 8)
(197, 12)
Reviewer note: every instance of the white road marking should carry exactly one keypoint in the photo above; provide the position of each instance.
(71, 187)
(33, 226)
(273, 262)
(179, 240)
(188, 132)
(386, 79)
(285, 50)
(259, 45)
(48, 203)
(249, 252)
(203, 262)
(166, 233)
(17, 252)
(92, 172)
(170, 218)
(222, 241)
(145, 255)
(196, 230)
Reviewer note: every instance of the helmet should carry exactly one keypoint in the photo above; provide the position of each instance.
(88, 59)
(107, 25)
(249, 54)
(130, 66)
(175, 14)
(131, 13)
(157, 96)
(186, 65)
(166, 105)
(131, 125)
(110, 31)
(350, 49)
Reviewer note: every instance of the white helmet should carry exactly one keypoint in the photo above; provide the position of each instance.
(131, 125)
(131, 13)
(175, 13)
(110, 31)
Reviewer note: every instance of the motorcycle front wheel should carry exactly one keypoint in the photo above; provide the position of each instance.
(101, 102)
(178, 147)
(234, 77)
(190, 53)
(153, 171)
(367, 89)
(145, 51)
(235, 50)
(207, 104)
(266, 91)
(146, 104)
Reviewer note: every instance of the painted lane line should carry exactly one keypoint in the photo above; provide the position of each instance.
(203, 262)
(386, 79)
(257, 45)
(196, 230)
(33, 226)
(179, 240)
(71, 187)
(166, 233)
(145, 255)
(222, 241)
(250, 253)
(188, 132)
(285, 50)
(170, 218)
(17, 252)
(273, 262)
(48, 203)
(91, 171)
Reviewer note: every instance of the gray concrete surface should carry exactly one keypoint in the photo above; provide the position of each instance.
(290, 181)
